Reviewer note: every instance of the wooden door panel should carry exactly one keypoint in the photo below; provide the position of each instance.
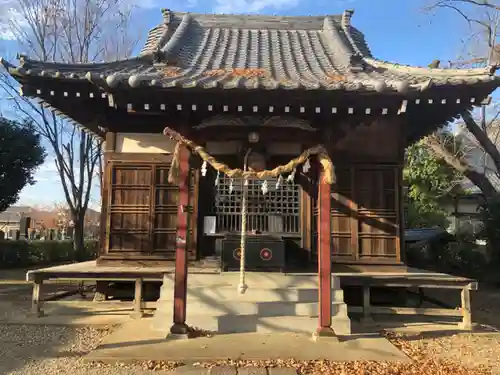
(377, 211)
(142, 210)
(128, 213)
(128, 241)
(365, 218)
(342, 214)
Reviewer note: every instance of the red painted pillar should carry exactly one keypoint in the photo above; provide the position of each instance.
(181, 258)
(324, 258)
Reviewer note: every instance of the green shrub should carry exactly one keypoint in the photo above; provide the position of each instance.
(490, 232)
(19, 254)
(460, 257)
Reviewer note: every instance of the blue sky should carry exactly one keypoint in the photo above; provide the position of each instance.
(396, 30)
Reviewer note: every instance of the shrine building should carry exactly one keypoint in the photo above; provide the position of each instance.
(212, 112)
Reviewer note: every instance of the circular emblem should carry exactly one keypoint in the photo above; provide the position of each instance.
(266, 254)
(237, 253)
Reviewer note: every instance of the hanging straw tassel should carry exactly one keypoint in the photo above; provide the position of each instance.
(242, 287)
(173, 173)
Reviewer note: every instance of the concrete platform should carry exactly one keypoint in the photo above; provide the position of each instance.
(137, 341)
(274, 303)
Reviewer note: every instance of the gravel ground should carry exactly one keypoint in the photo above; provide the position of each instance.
(469, 349)
(52, 350)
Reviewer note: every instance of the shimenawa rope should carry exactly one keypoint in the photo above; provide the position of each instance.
(318, 151)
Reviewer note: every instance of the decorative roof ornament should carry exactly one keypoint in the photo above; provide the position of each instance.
(495, 58)
(346, 17)
(167, 15)
(357, 63)
(434, 64)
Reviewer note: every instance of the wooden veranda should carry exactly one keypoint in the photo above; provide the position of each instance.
(412, 278)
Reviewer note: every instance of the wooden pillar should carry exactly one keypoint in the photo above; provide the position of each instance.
(466, 323)
(181, 257)
(138, 299)
(101, 291)
(108, 148)
(324, 258)
(36, 303)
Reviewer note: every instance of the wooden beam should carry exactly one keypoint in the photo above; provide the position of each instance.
(423, 311)
(110, 144)
(324, 258)
(181, 256)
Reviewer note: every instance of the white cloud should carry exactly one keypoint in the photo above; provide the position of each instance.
(252, 6)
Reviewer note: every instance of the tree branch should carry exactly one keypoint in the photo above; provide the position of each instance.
(482, 138)
(478, 179)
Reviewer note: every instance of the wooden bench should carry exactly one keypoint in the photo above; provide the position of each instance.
(89, 271)
(413, 279)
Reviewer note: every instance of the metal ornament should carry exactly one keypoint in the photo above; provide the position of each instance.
(306, 166)
(264, 187)
(231, 186)
(291, 176)
(204, 168)
(279, 182)
(217, 178)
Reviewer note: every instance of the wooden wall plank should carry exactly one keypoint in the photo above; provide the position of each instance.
(353, 206)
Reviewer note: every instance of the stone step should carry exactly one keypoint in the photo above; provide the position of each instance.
(222, 294)
(226, 324)
(263, 309)
(253, 280)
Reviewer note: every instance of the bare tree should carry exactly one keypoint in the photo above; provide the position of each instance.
(69, 31)
(482, 17)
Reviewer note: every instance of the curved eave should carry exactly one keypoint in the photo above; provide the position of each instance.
(123, 81)
(111, 81)
(435, 74)
(72, 72)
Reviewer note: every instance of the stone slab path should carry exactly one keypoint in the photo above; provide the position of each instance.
(230, 370)
(137, 341)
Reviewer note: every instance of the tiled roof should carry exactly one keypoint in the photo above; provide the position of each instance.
(256, 52)
(424, 235)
